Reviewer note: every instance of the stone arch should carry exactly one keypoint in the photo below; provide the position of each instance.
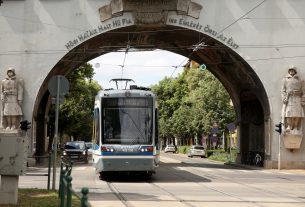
(242, 83)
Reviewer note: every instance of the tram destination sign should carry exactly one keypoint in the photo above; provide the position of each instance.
(127, 102)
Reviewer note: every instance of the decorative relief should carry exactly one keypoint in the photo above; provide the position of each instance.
(150, 18)
(194, 10)
(182, 6)
(149, 11)
(293, 97)
(11, 98)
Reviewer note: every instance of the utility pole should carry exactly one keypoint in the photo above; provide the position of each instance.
(58, 86)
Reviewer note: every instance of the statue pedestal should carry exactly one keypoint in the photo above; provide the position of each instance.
(292, 141)
(13, 154)
(9, 189)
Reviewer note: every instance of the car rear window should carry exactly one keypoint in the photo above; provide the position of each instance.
(74, 145)
(199, 148)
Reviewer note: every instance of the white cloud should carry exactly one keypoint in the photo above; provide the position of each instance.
(145, 68)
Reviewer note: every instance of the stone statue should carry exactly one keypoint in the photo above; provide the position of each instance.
(293, 97)
(11, 97)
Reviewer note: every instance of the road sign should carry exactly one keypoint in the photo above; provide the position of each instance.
(203, 67)
(214, 130)
(231, 127)
(60, 81)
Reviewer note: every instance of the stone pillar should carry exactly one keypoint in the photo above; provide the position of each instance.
(9, 189)
(13, 154)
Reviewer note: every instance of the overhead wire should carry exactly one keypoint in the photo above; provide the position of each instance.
(228, 26)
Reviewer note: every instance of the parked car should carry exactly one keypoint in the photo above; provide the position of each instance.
(76, 150)
(89, 147)
(196, 150)
(170, 148)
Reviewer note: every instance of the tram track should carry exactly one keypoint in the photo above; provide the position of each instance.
(127, 203)
(155, 191)
(214, 176)
(118, 194)
(216, 185)
(171, 194)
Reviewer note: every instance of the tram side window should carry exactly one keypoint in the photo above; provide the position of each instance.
(97, 126)
(157, 128)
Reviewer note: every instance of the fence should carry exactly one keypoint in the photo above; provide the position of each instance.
(65, 186)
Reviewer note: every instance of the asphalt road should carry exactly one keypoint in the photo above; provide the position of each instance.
(183, 181)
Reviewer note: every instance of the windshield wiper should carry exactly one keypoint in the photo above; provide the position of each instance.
(136, 126)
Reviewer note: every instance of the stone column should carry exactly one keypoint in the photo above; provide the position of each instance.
(13, 154)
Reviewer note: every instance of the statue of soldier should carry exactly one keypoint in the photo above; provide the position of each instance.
(293, 97)
(11, 97)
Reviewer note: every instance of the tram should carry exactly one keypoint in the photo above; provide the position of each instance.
(125, 131)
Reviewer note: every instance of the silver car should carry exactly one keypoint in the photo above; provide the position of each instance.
(196, 150)
(170, 148)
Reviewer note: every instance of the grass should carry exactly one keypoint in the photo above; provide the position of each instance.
(217, 155)
(224, 156)
(39, 198)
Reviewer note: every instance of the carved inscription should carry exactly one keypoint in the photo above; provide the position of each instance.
(114, 24)
(207, 29)
(122, 13)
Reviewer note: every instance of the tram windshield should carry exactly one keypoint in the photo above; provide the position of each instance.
(127, 120)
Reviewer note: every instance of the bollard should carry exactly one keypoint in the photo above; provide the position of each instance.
(69, 191)
(65, 187)
(62, 190)
(84, 199)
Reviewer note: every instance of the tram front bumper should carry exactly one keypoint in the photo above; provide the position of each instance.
(147, 164)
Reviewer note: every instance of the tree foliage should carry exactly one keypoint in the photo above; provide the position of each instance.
(191, 103)
(75, 115)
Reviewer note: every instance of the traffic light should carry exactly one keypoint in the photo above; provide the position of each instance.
(25, 125)
(278, 127)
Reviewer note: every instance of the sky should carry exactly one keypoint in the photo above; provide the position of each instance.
(145, 68)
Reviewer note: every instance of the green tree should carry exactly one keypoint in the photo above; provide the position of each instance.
(75, 115)
(189, 104)
(169, 92)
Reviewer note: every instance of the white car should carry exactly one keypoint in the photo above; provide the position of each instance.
(196, 150)
(170, 148)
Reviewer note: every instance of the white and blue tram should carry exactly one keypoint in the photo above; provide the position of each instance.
(125, 131)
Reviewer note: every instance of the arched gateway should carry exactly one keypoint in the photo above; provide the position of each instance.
(247, 45)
